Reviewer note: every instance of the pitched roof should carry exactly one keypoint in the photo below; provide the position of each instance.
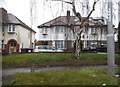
(14, 20)
(9, 18)
(63, 21)
(3, 15)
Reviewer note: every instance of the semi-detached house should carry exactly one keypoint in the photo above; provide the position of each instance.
(15, 35)
(59, 32)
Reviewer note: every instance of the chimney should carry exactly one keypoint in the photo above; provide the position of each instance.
(68, 17)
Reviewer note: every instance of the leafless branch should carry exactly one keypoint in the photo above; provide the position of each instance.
(77, 14)
(93, 8)
(87, 18)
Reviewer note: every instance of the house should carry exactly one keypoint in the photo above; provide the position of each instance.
(15, 34)
(59, 32)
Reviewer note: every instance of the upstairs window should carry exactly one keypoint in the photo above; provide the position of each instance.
(44, 30)
(59, 29)
(11, 28)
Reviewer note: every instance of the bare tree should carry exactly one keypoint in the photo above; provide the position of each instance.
(83, 23)
(33, 7)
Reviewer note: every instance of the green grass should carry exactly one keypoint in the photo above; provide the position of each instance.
(93, 55)
(30, 57)
(66, 77)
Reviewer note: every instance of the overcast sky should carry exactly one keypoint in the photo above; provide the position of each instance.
(45, 11)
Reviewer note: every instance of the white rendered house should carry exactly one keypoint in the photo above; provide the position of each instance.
(59, 32)
(15, 34)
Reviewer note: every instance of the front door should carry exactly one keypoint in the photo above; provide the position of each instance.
(12, 47)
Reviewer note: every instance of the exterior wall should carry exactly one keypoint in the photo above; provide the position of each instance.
(52, 34)
(21, 36)
(7, 36)
(55, 34)
(94, 37)
(33, 37)
(88, 36)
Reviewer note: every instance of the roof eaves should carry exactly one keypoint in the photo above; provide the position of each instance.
(19, 22)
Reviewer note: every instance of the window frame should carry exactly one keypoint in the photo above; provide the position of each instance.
(59, 44)
(11, 28)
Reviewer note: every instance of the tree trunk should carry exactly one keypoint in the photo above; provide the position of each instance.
(77, 50)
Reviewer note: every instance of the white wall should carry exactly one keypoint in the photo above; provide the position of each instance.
(52, 35)
(20, 35)
(7, 36)
(23, 37)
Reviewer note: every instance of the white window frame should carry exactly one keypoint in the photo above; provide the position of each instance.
(59, 44)
(11, 28)
(44, 30)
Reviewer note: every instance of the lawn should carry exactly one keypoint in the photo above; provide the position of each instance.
(52, 59)
(30, 57)
(67, 77)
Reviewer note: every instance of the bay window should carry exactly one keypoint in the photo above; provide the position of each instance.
(59, 44)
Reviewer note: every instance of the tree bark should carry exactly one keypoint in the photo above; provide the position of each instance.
(82, 24)
(78, 50)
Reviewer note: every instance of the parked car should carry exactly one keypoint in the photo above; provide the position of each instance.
(46, 48)
(95, 47)
(92, 47)
(102, 48)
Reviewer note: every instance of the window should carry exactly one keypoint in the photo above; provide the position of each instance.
(62, 29)
(83, 36)
(11, 28)
(44, 30)
(3, 29)
(13, 44)
(59, 44)
(3, 45)
(59, 29)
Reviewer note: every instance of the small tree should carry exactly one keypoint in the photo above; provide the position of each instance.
(83, 23)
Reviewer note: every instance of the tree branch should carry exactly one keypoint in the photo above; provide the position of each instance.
(93, 8)
(77, 14)
(87, 18)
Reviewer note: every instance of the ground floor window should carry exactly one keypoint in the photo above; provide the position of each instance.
(3, 45)
(59, 44)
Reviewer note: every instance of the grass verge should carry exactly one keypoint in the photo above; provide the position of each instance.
(66, 77)
(30, 57)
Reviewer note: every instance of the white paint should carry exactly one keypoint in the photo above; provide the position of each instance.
(20, 35)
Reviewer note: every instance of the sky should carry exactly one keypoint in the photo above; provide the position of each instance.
(45, 10)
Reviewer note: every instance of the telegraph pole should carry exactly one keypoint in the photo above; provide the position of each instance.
(110, 42)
